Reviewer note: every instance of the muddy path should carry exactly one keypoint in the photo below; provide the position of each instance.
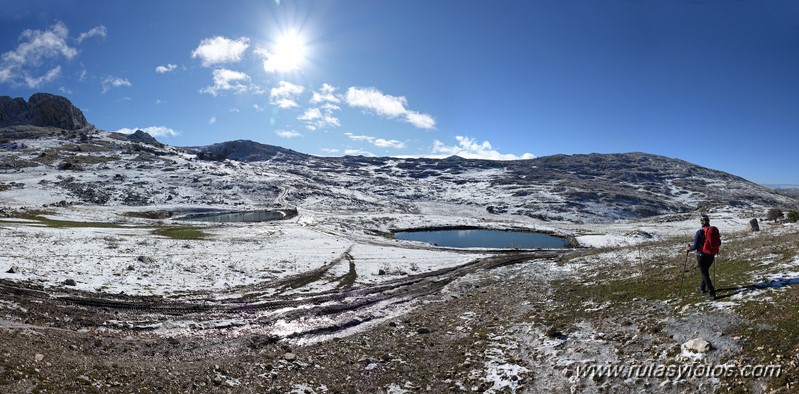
(267, 308)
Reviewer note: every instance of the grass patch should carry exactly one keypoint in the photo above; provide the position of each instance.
(182, 233)
(769, 322)
(155, 215)
(36, 216)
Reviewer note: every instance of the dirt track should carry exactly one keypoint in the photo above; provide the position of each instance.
(62, 340)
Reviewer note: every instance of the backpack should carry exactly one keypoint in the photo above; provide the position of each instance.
(712, 240)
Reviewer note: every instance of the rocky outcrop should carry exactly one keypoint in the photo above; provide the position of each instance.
(144, 138)
(245, 150)
(43, 110)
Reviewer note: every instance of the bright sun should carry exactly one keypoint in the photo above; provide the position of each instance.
(289, 52)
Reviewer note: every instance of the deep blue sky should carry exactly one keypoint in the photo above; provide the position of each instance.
(715, 83)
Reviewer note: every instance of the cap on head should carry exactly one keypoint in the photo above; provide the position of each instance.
(704, 218)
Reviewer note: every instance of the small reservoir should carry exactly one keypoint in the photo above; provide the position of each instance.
(480, 238)
(237, 217)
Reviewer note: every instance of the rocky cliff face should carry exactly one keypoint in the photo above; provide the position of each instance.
(43, 110)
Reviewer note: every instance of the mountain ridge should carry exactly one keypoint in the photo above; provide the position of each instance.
(242, 173)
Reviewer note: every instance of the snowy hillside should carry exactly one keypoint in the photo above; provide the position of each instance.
(115, 170)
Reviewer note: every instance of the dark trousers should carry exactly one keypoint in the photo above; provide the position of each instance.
(704, 262)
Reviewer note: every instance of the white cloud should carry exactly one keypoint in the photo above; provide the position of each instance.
(375, 100)
(114, 82)
(212, 120)
(468, 148)
(358, 152)
(422, 121)
(326, 94)
(36, 47)
(257, 108)
(220, 49)
(287, 134)
(387, 106)
(330, 150)
(317, 118)
(225, 79)
(155, 131)
(166, 69)
(35, 82)
(379, 142)
(284, 96)
(97, 31)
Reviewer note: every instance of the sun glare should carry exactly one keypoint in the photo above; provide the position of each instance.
(289, 52)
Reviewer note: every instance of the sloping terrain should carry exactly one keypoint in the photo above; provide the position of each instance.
(104, 289)
(114, 170)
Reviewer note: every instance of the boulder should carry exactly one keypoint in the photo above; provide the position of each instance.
(754, 225)
(697, 345)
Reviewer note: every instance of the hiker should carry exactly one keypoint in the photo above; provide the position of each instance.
(706, 244)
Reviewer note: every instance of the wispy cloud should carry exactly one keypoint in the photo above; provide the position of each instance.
(166, 69)
(37, 47)
(225, 79)
(285, 95)
(155, 131)
(326, 94)
(287, 134)
(212, 120)
(316, 118)
(99, 31)
(387, 106)
(358, 152)
(379, 142)
(114, 82)
(325, 102)
(35, 82)
(220, 49)
(469, 148)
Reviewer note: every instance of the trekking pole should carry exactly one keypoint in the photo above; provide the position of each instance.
(682, 275)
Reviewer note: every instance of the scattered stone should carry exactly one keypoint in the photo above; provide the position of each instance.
(146, 259)
(381, 272)
(38, 357)
(697, 345)
(84, 379)
(13, 270)
(291, 357)
(553, 332)
(70, 282)
(131, 268)
(639, 234)
(754, 226)
(423, 330)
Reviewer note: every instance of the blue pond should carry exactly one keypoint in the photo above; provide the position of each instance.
(484, 239)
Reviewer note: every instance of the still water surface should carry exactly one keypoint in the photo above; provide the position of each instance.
(484, 239)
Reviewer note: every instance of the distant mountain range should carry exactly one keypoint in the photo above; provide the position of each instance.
(94, 167)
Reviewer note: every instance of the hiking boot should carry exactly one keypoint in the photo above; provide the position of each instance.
(711, 296)
(701, 290)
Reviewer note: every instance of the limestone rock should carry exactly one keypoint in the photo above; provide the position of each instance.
(42, 109)
(697, 345)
